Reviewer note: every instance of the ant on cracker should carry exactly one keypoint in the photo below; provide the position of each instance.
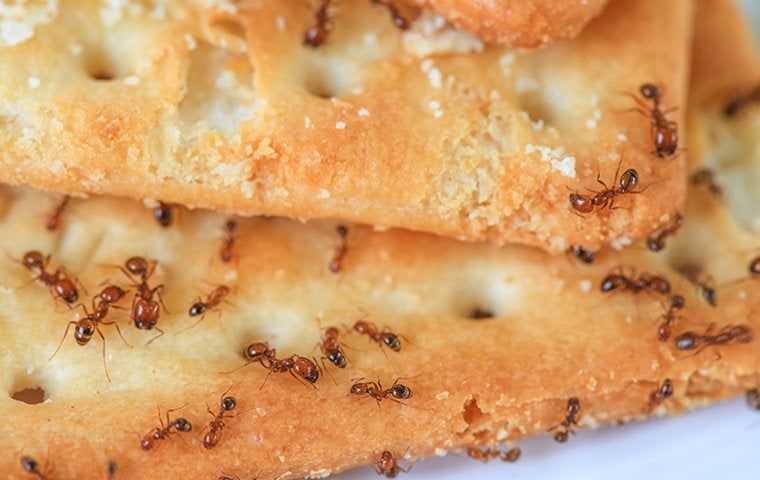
(214, 298)
(375, 390)
(383, 337)
(583, 255)
(163, 214)
(619, 280)
(30, 466)
(565, 428)
(226, 253)
(656, 241)
(59, 283)
(178, 425)
(145, 311)
(332, 349)
(336, 263)
(728, 335)
(90, 323)
(300, 368)
(317, 34)
(664, 132)
(54, 220)
(388, 466)
(696, 275)
(677, 302)
(484, 455)
(605, 198)
(213, 435)
(663, 392)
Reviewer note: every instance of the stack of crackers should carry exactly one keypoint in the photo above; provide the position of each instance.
(285, 238)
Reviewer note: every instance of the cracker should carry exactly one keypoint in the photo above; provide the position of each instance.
(518, 23)
(226, 109)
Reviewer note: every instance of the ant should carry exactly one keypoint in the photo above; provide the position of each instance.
(606, 197)
(582, 254)
(382, 338)
(30, 466)
(753, 398)
(336, 264)
(111, 468)
(511, 455)
(664, 132)
(226, 253)
(677, 302)
(388, 466)
(59, 283)
(695, 275)
(331, 348)
(398, 20)
(730, 334)
(144, 311)
(706, 177)
(300, 368)
(90, 323)
(663, 392)
(163, 214)
(214, 429)
(635, 284)
(396, 392)
(317, 34)
(213, 299)
(54, 220)
(571, 419)
(656, 241)
(178, 425)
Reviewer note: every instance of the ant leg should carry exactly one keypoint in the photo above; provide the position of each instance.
(193, 325)
(265, 380)
(62, 339)
(160, 334)
(118, 329)
(157, 290)
(324, 368)
(105, 364)
(236, 369)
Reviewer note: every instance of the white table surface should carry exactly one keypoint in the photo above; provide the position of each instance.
(720, 442)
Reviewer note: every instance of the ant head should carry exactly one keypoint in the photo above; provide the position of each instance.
(686, 341)
(146, 443)
(137, 266)
(337, 358)
(666, 389)
(386, 460)
(401, 392)
(649, 91)
(196, 309)
(111, 467)
(342, 231)
(182, 424)
(655, 243)
(708, 293)
(677, 302)
(663, 332)
(361, 327)
(392, 341)
(229, 403)
(163, 214)
(83, 332)
(628, 180)
(581, 203)
(561, 436)
(230, 225)
(359, 388)
(331, 332)
(29, 464)
(754, 266)
(573, 406)
(255, 351)
(33, 259)
(582, 254)
(112, 294)
(610, 283)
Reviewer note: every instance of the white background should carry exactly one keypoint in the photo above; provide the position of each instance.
(720, 442)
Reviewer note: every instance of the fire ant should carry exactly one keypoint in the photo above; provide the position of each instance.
(300, 368)
(398, 20)
(396, 392)
(336, 264)
(54, 220)
(695, 275)
(571, 419)
(178, 425)
(382, 338)
(664, 132)
(663, 392)
(214, 429)
(677, 302)
(511, 455)
(656, 241)
(163, 214)
(730, 334)
(331, 348)
(30, 466)
(606, 197)
(90, 323)
(226, 253)
(753, 398)
(59, 283)
(144, 311)
(317, 34)
(706, 177)
(635, 284)
(388, 466)
(213, 299)
(582, 254)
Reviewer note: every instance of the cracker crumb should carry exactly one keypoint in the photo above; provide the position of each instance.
(565, 166)
(621, 242)
(585, 286)
(591, 384)
(132, 80)
(441, 452)
(622, 137)
(340, 125)
(442, 395)
(742, 294)
(76, 49)
(363, 112)
(323, 194)
(321, 473)
(33, 82)
(190, 42)
(370, 39)
(279, 22)
(435, 108)
(307, 122)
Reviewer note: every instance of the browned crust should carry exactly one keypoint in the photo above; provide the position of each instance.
(481, 171)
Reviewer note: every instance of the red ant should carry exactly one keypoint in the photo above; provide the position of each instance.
(635, 284)
(396, 392)
(695, 275)
(144, 311)
(214, 429)
(388, 466)
(54, 220)
(382, 338)
(582, 254)
(226, 253)
(730, 334)
(706, 177)
(213, 299)
(571, 419)
(59, 283)
(606, 197)
(30, 466)
(398, 20)
(163, 214)
(677, 302)
(753, 399)
(664, 132)
(336, 264)
(663, 392)
(178, 425)
(331, 348)
(656, 241)
(300, 368)
(90, 323)
(484, 455)
(317, 34)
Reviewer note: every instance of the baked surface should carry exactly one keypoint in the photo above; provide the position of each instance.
(225, 109)
(516, 23)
